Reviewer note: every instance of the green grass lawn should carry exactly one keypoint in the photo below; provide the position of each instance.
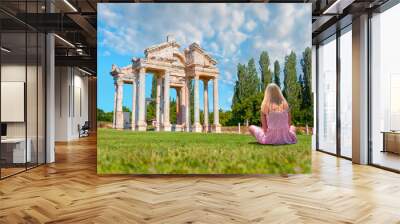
(127, 152)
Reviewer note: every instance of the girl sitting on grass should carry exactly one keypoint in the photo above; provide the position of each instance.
(276, 128)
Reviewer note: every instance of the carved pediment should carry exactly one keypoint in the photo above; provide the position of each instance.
(163, 50)
(196, 55)
(167, 57)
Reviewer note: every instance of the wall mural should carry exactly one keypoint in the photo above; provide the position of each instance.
(204, 88)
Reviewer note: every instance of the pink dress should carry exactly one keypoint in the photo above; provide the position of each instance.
(278, 131)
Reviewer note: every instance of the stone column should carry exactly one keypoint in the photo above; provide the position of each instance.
(119, 116)
(166, 123)
(187, 105)
(133, 120)
(137, 100)
(141, 123)
(205, 93)
(196, 125)
(216, 126)
(115, 104)
(158, 101)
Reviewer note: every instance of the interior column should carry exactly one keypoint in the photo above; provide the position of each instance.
(158, 101)
(360, 90)
(166, 124)
(205, 93)
(50, 93)
(119, 116)
(217, 126)
(141, 124)
(196, 125)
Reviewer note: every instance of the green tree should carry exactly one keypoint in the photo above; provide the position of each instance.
(277, 72)
(306, 78)
(225, 118)
(291, 86)
(266, 74)
(239, 86)
(246, 86)
(151, 107)
(126, 109)
(253, 82)
(104, 116)
(172, 111)
(306, 91)
(247, 110)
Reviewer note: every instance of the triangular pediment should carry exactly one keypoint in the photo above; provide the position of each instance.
(163, 50)
(195, 54)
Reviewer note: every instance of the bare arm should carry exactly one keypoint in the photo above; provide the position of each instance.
(264, 124)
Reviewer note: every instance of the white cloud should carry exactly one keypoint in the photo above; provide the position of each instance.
(277, 49)
(290, 15)
(289, 29)
(108, 15)
(250, 25)
(286, 24)
(228, 76)
(214, 47)
(187, 27)
(261, 11)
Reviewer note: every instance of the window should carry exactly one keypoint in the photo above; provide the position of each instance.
(385, 89)
(327, 96)
(346, 92)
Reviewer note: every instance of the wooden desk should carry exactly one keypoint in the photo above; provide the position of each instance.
(13, 150)
(391, 141)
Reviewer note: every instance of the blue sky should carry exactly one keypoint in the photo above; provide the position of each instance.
(231, 33)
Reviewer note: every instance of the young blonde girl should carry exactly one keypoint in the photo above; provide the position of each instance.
(276, 125)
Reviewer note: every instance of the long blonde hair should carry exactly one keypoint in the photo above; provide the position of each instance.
(272, 95)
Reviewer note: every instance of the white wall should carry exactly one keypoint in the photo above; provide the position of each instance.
(71, 102)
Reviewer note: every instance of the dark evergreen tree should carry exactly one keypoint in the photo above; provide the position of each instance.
(277, 72)
(306, 78)
(266, 74)
(246, 92)
(306, 89)
(239, 85)
(291, 85)
(172, 111)
(253, 81)
(151, 107)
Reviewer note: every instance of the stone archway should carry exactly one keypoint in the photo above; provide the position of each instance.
(172, 69)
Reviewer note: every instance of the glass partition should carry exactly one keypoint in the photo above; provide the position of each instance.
(22, 101)
(346, 92)
(13, 93)
(385, 89)
(327, 96)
